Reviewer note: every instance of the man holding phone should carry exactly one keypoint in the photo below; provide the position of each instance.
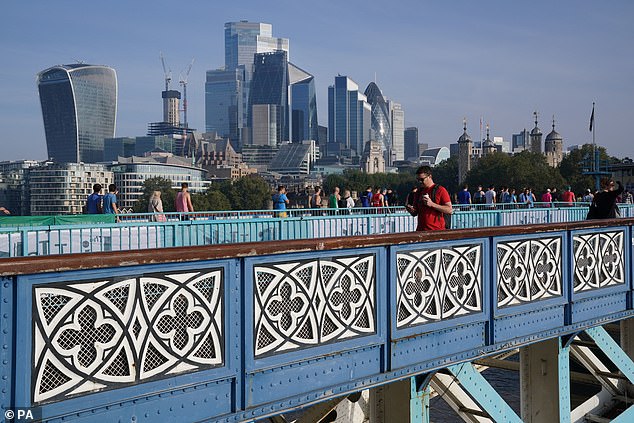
(430, 211)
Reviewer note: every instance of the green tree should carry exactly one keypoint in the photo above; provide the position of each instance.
(573, 164)
(446, 174)
(525, 169)
(247, 193)
(217, 200)
(168, 195)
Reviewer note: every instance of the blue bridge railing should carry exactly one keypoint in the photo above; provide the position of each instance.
(141, 231)
(239, 332)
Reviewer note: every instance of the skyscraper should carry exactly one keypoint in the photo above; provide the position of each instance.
(269, 86)
(303, 105)
(381, 120)
(227, 89)
(397, 119)
(79, 108)
(411, 143)
(349, 117)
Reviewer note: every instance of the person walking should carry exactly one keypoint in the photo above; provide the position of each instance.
(280, 200)
(110, 201)
(184, 201)
(604, 203)
(155, 205)
(333, 200)
(430, 211)
(94, 200)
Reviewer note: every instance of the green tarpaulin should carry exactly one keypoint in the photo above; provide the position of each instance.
(77, 219)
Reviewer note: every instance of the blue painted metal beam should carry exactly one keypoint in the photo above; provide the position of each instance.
(613, 351)
(478, 387)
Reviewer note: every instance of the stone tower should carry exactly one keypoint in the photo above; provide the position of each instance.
(536, 138)
(488, 146)
(553, 147)
(465, 151)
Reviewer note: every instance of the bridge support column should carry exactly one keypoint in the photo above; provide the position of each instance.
(545, 382)
(402, 401)
(627, 345)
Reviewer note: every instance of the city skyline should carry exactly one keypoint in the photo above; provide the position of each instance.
(441, 62)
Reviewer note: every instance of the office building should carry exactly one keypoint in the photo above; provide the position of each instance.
(227, 90)
(269, 88)
(397, 119)
(303, 105)
(381, 121)
(520, 141)
(225, 103)
(130, 173)
(349, 118)
(410, 143)
(295, 158)
(79, 108)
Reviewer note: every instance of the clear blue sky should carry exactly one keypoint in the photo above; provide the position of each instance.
(442, 60)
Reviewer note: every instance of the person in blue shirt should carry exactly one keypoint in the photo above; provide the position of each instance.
(280, 200)
(110, 201)
(93, 202)
(464, 196)
(366, 197)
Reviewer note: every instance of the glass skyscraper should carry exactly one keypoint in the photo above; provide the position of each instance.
(79, 108)
(227, 89)
(303, 105)
(270, 87)
(381, 122)
(349, 117)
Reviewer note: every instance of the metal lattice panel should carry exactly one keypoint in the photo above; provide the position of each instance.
(106, 334)
(528, 270)
(438, 284)
(305, 303)
(598, 260)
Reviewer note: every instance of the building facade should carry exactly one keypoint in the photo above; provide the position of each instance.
(303, 105)
(269, 88)
(79, 109)
(397, 117)
(381, 119)
(465, 154)
(410, 143)
(130, 173)
(62, 188)
(536, 137)
(227, 90)
(14, 186)
(349, 117)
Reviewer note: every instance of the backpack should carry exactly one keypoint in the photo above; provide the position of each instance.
(446, 216)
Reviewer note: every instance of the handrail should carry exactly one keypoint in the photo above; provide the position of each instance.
(82, 261)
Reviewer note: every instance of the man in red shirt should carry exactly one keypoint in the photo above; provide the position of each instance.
(430, 211)
(568, 197)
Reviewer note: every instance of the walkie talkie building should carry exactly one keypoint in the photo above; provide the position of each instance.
(79, 108)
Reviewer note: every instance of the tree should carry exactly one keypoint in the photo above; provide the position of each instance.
(168, 195)
(572, 166)
(526, 169)
(446, 174)
(356, 180)
(247, 193)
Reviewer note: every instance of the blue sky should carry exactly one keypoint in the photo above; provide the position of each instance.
(442, 60)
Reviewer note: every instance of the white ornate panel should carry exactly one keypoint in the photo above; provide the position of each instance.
(528, 270)
(305, 303)
(599, 260)
(104, 334)
(438, 284)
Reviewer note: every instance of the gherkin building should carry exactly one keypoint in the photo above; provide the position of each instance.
(381, 128)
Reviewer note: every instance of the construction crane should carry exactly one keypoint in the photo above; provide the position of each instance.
(167, 73)
(183, 82)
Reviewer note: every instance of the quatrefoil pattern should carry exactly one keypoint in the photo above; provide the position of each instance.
(528, 270)
(105, 334)
(598, 260)
(438, 284)
(305, 303)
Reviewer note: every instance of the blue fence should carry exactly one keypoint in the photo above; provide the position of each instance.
(138, 231)
(234, 335)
